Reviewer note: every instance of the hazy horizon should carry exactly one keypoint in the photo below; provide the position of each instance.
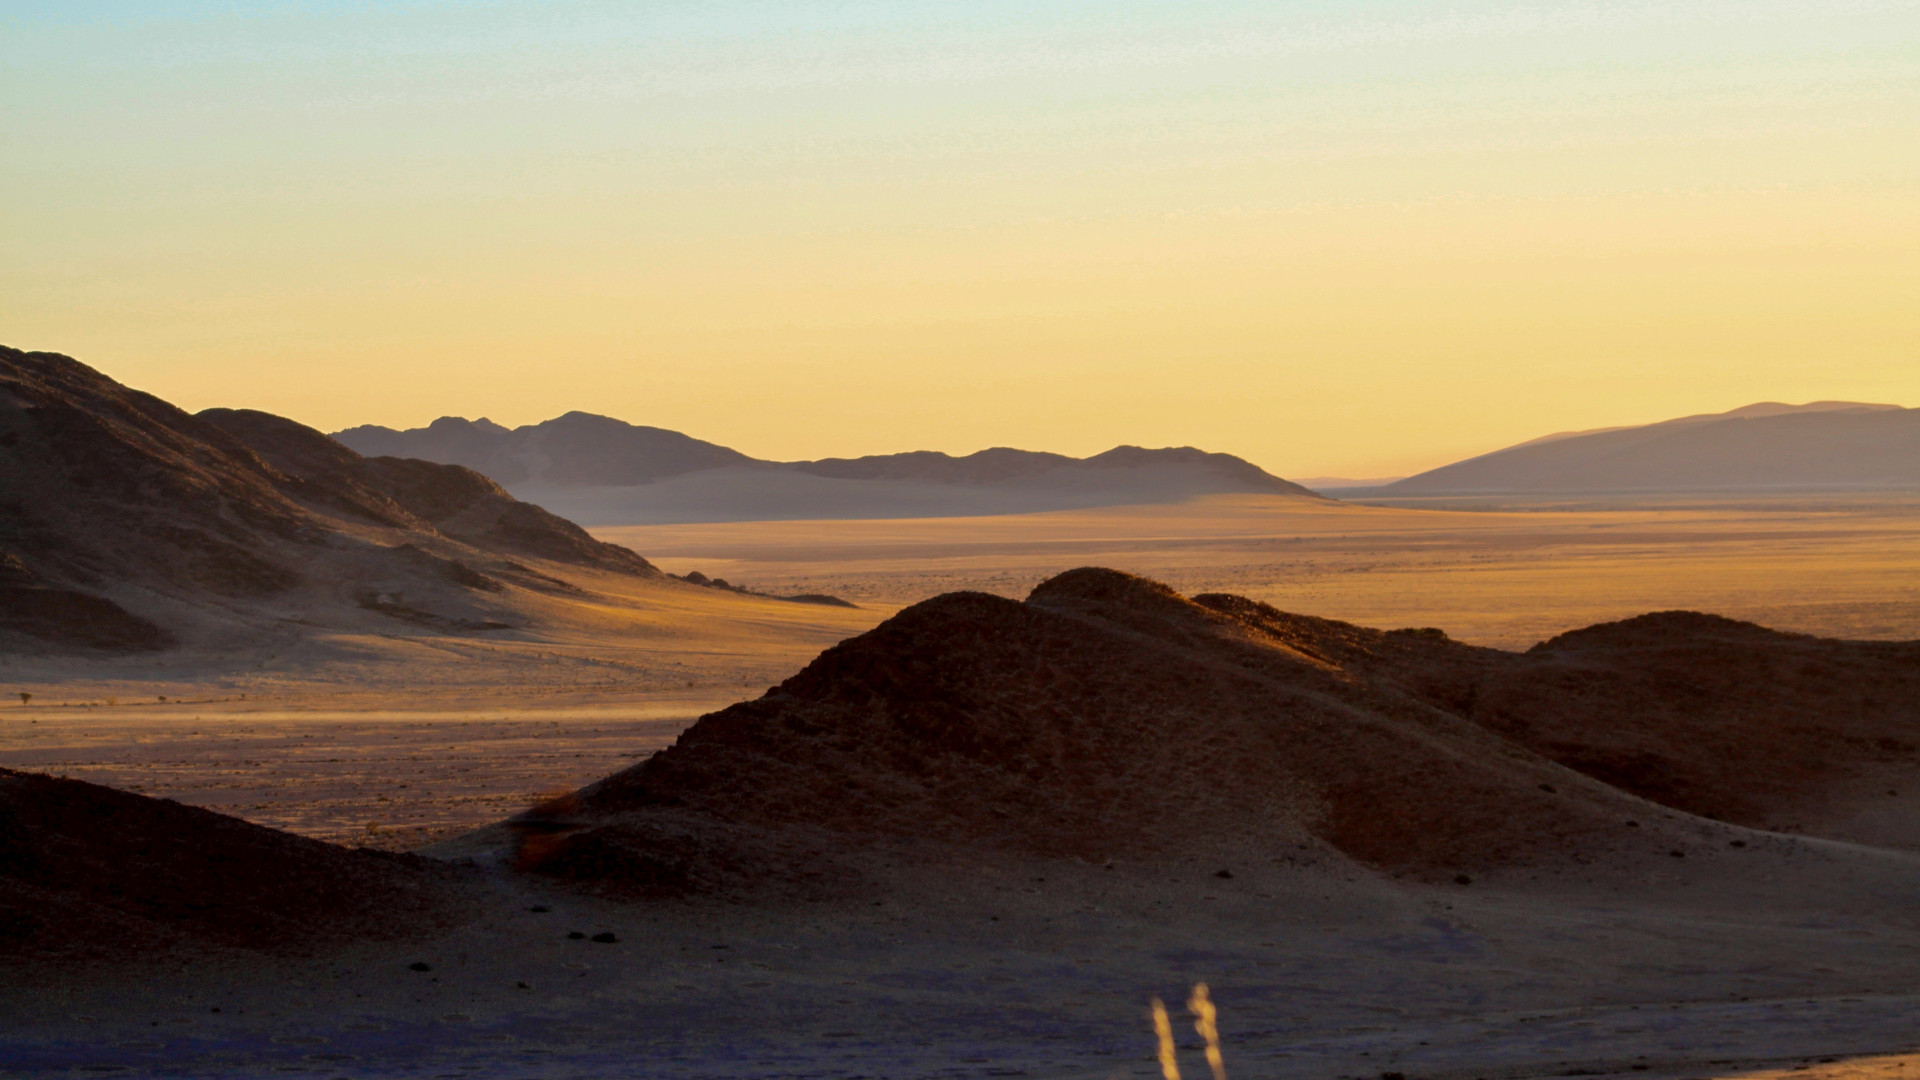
(1301, 478)
(1355, 239)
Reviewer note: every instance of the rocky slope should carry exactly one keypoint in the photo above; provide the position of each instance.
(126, 523)
(87, 872)
(1107, 717)
(452, 500)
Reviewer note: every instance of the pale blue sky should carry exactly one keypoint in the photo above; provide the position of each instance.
(1316, 234)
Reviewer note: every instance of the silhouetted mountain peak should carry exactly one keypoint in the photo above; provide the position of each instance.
(460, 425)
(981, 467)
(575, 448)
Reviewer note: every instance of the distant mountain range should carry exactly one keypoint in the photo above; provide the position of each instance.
(602, 471)
(1826, 445)
(578, 449)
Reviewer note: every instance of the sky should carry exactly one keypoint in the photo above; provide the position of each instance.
(1355, 238)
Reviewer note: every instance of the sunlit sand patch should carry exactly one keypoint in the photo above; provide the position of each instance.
(1875, 1067)
(1510, 576)
(391, 780)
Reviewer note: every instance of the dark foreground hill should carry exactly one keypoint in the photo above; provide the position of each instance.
(1709, 715)
(606, 472)
(126, 523)
(87, 872)
(1827, 445)
(1108, 717)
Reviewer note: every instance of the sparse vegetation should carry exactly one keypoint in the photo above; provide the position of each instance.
(1163, 1031)
(1205, 1022)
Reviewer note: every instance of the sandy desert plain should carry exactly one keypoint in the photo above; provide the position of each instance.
(314, 736)
(1759, 953)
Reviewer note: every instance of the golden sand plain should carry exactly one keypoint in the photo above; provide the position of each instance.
(1505, 574)
(398, 739)
(421, 736)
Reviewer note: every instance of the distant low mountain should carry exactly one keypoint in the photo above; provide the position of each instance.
(602, 471)
(1826, 445)
(126, 523)
(984, 467)
(572, 450)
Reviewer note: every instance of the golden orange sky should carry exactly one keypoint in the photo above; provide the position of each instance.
(1354, 239)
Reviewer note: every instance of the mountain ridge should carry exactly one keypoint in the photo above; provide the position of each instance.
(1823, 445)
(516, 453)
(573, 448)
(605, 472)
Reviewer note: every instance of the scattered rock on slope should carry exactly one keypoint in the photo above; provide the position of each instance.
(695, 577)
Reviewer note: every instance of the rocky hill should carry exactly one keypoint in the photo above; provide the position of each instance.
(126, 523)
(1107, 717)
(408, 493)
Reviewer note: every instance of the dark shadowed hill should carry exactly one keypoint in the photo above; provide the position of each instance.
(1108, 717)
(126, 522)
(87, 872)
(1104, 717)
(1716, 717)
(604, 472)
(1828, 445)
(1725, 719)
(409, 493)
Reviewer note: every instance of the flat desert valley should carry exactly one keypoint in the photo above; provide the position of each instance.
(1759, 953)
(1500, 572)
(315, 739)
